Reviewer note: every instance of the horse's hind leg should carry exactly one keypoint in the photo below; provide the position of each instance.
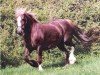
(62, 48)
(71, 58)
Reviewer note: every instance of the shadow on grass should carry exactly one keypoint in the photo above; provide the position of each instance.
(57, 64)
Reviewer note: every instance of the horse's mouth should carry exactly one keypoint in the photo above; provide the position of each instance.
(19, 33)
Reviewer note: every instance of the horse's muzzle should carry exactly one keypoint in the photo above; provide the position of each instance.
(18, 31)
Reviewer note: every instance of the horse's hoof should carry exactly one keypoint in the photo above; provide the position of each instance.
(40, 68)
(72, 61)
(34, 63)
(66, 66)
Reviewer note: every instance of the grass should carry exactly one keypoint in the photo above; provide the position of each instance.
(85, 65)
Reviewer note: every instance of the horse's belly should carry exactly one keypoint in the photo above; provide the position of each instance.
(50, 46)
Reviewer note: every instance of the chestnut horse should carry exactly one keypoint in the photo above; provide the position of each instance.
(40, 37)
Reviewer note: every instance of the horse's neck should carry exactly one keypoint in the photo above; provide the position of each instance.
(28, 27)
(28, 30)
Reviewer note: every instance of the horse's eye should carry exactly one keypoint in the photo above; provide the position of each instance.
(15, 21)
(22, 21)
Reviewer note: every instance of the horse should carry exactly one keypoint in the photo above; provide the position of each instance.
(44, 36)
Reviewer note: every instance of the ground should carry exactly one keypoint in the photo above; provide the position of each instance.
(85, 65)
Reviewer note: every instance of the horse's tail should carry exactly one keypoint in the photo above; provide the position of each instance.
(80, 35)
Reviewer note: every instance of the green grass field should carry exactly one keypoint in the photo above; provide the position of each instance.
(85, 65)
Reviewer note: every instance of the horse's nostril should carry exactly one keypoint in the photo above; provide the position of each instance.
(16, 31)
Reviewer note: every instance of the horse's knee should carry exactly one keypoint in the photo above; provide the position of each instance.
(26, 58)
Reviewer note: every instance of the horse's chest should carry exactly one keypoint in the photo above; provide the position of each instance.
(36, 38)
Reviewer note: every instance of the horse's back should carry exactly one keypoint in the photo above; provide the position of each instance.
(64, 23)
(66, 26)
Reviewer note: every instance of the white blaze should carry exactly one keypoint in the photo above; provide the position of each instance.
(72, 58)
(19, 21)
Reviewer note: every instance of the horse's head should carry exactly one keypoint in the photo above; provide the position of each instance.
(24, 20)
(21, 20)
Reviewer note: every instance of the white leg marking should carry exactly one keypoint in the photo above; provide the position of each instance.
(72, 58)
(19, 24)
(40, 68)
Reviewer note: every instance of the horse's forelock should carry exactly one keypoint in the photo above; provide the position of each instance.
(20, 11)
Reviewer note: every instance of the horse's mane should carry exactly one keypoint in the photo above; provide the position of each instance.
(21, 11)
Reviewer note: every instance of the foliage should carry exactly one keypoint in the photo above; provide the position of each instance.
(85, 13)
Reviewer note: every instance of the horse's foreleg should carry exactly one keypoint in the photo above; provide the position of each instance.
(28, 60)
(39, 58)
